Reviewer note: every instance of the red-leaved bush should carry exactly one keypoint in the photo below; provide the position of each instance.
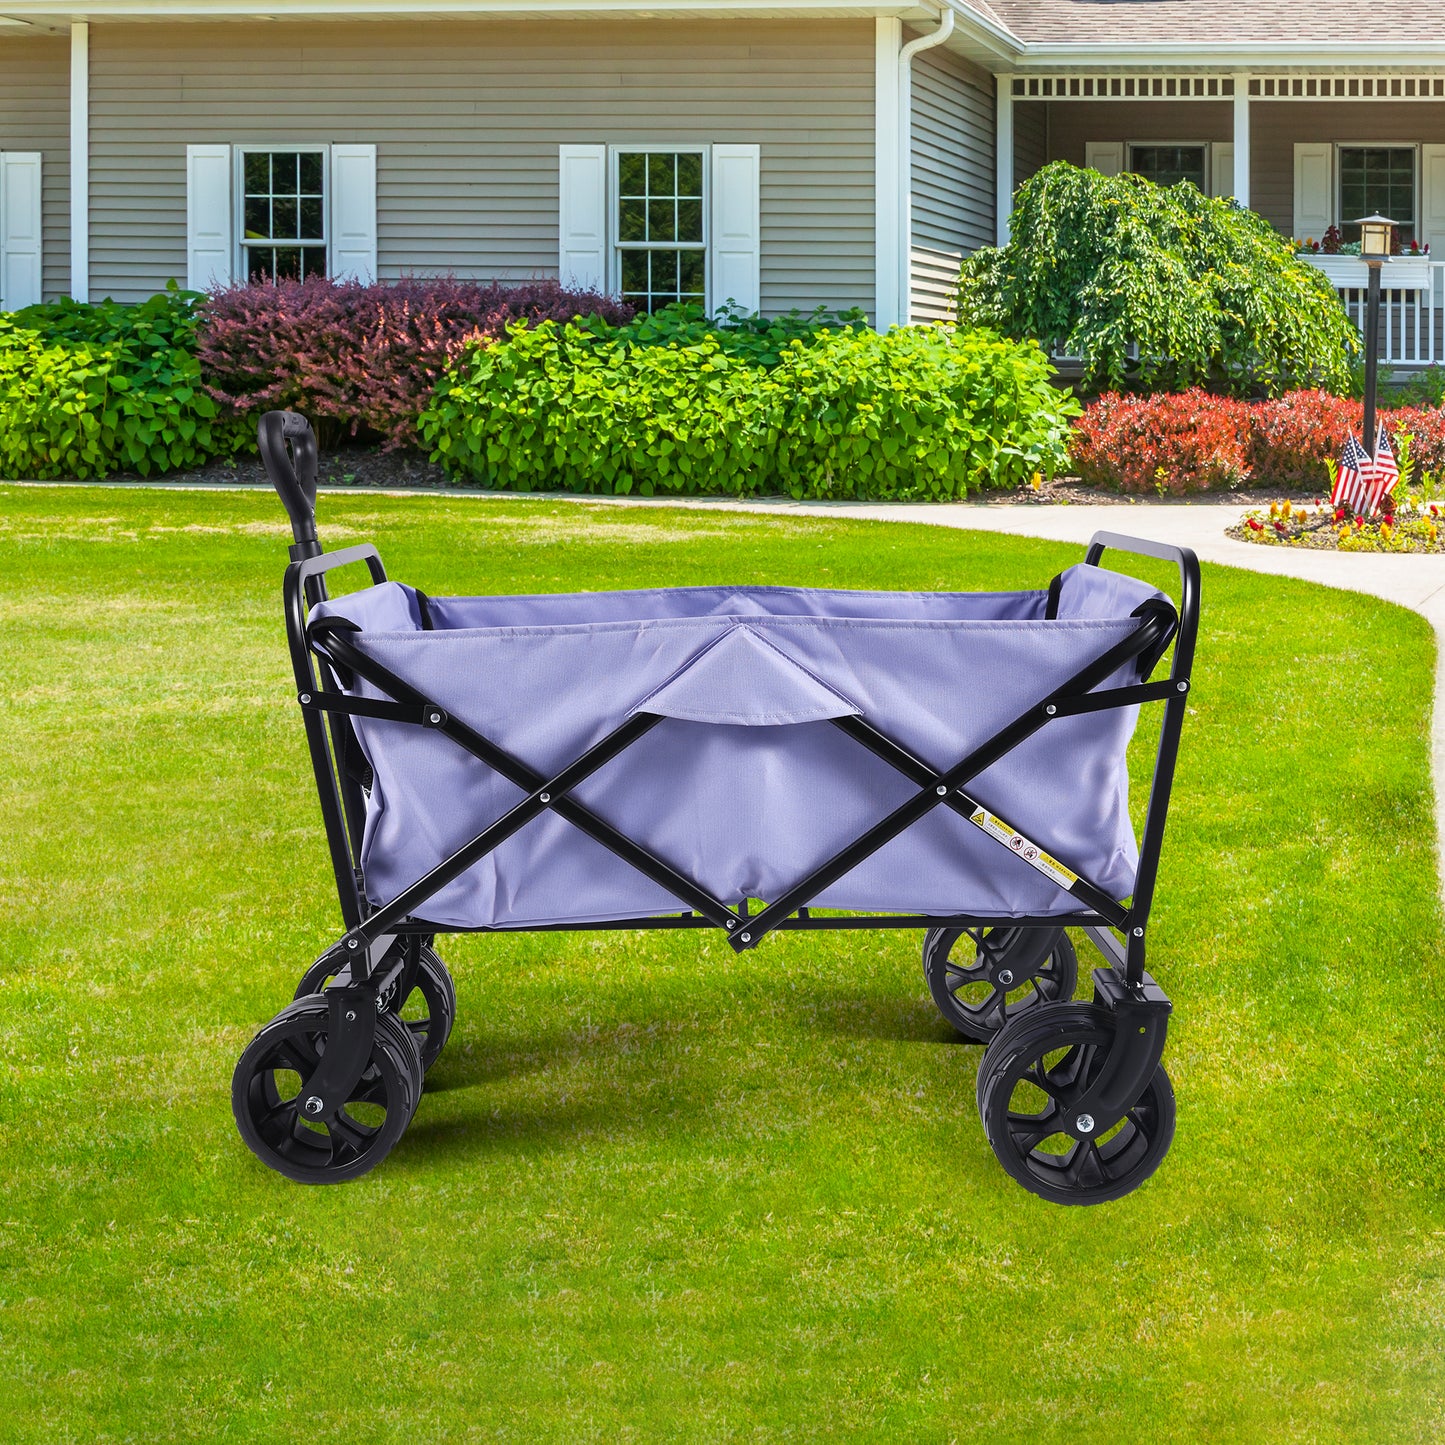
(1290, 436)
(358, 358)
(1193, 441)
(1177, 442)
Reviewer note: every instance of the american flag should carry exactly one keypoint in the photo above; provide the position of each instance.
(1353, 478)
(1382, 476)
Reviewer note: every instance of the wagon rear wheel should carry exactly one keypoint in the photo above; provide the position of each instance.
(1028, 1084)
(429, 1010)
(983, 978)
(266, 1097)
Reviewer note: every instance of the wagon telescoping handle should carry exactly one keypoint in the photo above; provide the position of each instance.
(292, 471)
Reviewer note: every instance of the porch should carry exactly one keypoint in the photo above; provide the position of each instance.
(1305, 149)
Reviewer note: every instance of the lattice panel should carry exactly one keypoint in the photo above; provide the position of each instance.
(1347, 87)
(1123, 87)
(1289, 86)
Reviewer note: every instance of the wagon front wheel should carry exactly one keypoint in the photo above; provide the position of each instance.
(983, 978)
(271, 1114)
(1029, 1083)
(428, 1011)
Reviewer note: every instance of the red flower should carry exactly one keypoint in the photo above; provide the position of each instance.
(1339, 514)
(1253, 525)
(1359, 521)
(1278, 526)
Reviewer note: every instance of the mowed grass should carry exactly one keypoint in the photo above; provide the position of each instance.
(656, 1191)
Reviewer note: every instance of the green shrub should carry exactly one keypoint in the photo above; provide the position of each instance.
(87, 390)
(1158, 287)
(675, 405)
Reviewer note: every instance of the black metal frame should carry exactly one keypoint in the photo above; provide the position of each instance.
(382, 944)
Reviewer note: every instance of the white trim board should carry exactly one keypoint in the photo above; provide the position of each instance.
(80, 161)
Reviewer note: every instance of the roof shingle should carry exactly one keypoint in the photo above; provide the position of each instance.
(1261, 22)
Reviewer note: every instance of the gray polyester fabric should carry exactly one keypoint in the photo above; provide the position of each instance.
(746, 786)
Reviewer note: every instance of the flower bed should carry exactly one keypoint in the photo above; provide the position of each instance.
(1414, 526)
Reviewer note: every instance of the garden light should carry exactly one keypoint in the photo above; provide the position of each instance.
(1376, 234)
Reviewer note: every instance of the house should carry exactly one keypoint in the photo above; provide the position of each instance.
(792, 154)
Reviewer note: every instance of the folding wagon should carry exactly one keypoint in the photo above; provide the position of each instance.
(750, 759)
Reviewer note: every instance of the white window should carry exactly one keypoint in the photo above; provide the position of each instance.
(1377, 180)
(282, 196)
(268, 212)
(660, 223)
(1168, 163)
(659, 227)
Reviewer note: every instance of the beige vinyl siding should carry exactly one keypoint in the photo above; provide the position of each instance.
(467, 118)
(952, 176)
(1275, 126)
(1031, 139)
(35, 116)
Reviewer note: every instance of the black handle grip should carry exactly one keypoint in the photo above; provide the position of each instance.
(1188, 564)
(292, 471)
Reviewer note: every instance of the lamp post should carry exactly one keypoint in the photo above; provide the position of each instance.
(1376, 233)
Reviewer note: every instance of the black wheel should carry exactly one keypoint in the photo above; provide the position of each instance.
(1026, 1084)
(266, 1097)
(983, 978)
(428, 1011)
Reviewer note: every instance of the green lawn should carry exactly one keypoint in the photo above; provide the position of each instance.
(656, 1190)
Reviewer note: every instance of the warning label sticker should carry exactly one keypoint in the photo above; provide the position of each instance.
(1030, 852)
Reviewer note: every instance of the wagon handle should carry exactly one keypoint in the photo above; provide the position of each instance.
(293, 473)
(1188, 565)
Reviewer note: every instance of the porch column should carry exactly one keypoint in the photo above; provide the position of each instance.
(888, 239)
(1241, 139)
(1003, 162)
(80, 161)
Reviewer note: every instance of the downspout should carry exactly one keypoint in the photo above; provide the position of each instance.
(905, 154)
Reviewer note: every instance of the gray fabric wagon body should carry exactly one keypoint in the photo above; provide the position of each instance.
(746, 786)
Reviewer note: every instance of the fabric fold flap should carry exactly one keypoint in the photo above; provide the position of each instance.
(744, 680)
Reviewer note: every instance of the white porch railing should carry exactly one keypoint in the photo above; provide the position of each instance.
(1412, 316)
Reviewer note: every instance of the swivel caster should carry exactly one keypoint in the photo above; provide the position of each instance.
(999, 974)
(294, 1131)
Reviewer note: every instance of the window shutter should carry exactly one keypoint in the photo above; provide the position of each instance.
(1432, 199)
(736, 233)
(210, 243)
(353, 213)
(1221, 168)
(1313, 202)
(582, 216)
(1104, 156)
(20, 277)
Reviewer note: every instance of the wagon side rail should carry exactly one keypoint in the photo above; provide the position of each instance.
(1166, 758)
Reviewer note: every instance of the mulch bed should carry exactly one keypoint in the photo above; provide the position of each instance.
(369, 467)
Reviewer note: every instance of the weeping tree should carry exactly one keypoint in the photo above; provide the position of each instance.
(1158, 288)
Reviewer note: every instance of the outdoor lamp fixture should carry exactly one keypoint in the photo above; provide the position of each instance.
(1376, 235)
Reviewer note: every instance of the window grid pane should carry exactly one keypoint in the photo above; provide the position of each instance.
(659, 227)
(1167, 165)
(283, 222)
(1377, 181)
